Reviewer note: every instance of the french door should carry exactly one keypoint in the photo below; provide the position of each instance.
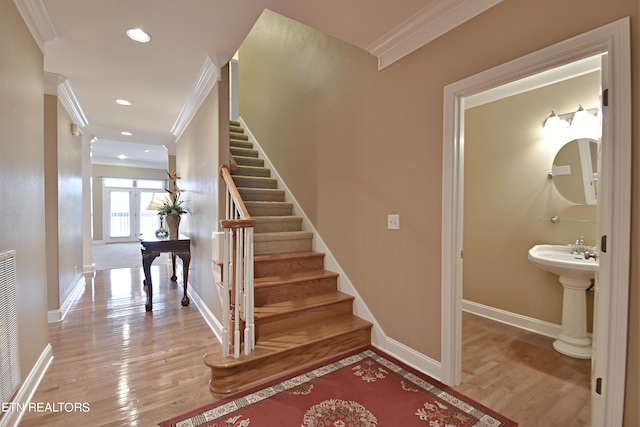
(125, 213)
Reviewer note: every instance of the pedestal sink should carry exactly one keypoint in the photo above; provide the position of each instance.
(576, 275)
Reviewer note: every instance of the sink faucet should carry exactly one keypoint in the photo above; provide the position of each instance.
(591, 252)
(578, 246)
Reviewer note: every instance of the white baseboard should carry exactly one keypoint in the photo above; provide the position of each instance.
(513, 319)
(58, 315)
(207, 315)
(28, 388)
(410, 357)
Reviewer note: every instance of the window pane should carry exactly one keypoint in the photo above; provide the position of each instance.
(118, 182)
(149, 221)
(120, 216)
(148, 183)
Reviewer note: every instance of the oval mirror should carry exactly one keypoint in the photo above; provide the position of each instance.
(575, 173)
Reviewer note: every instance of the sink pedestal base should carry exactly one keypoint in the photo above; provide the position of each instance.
(573, 340)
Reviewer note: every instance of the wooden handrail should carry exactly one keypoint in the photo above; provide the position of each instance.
(237, 277)
(238, 223)
(233, 165)
(233, 192)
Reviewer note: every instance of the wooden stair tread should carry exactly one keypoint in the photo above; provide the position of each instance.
(269, 346)
(266, 282)
(293, 277)
(306, 303)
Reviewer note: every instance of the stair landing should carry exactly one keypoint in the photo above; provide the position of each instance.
(281, 354)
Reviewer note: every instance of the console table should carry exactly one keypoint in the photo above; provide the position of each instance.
(151, 247)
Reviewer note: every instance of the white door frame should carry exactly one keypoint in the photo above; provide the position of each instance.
(106, 214)
(611, 310)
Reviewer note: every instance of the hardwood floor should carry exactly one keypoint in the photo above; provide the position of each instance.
(137, 369)
(133, 368)
(518, 374)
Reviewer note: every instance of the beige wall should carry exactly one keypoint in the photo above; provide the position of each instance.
(22, 178)
(197, 160)
(507, 192)
(355, 144)
(63, 195)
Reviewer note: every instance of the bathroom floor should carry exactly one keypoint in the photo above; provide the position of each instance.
(519, 374)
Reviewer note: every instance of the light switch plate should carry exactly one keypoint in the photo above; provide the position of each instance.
(393, 222)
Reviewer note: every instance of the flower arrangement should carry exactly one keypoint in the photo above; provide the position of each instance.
(173, 206)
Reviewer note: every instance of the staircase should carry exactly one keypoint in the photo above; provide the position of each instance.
(301, 318)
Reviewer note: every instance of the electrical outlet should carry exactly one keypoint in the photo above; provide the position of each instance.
(393, 222)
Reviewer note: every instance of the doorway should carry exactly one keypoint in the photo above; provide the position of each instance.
(610, 325)
(125, 208)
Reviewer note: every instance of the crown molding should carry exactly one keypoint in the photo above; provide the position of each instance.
(71, 104)
(57, 85)
(51, 83)
(36, 16)
(209, 74)
(425, 26)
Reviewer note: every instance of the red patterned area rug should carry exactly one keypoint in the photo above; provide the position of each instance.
(364, 389)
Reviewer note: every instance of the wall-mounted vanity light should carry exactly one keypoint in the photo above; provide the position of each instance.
(554, 122)
(581, 120)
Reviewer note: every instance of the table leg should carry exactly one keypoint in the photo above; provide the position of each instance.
(173, 264)
(147, 259)
(186, 259)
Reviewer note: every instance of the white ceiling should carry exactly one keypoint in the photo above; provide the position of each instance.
(89, 61)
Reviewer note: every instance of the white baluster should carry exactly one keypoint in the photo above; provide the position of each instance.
(226, 265)
(249, 333)
(238, 293)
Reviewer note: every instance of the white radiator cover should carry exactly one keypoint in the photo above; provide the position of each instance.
(9, 361)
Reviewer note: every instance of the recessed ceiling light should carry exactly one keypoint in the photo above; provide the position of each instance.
(122, 102)
(122, 157)
(126, 133)
(146, 150)
(138, 35)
